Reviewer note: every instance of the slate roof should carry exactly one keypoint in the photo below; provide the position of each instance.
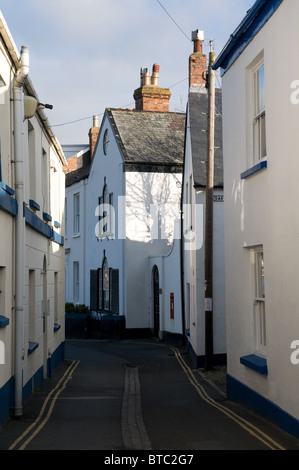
(149, 141)
(198, 109)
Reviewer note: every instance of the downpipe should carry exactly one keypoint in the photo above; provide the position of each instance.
(18, 108)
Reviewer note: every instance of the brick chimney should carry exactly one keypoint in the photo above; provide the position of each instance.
(149, 96)
(197, 61)
(93, 135)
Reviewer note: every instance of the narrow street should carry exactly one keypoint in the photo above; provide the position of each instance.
(131, 396)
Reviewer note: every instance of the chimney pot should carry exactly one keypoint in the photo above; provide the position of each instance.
(151, 97)
(156, 68)
(198, 38)
(143, 74)
(155, 74)
(95, 121)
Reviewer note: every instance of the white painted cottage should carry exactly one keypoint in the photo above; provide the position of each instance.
(131, 191)
(32, 188)
(193, 206)
(260, 73)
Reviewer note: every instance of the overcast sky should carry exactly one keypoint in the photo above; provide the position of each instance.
(86, 55)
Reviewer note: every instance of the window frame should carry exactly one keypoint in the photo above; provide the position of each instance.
(259, 117)
(76, 214)
(259, 302)
(256, 116)
(76, 282)
(105, 286)
(106, 211)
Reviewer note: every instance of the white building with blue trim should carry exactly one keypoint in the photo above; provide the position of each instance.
(260, 73)
(123, 216)
(32, 188)
(193, 208)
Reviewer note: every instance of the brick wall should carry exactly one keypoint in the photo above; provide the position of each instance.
(152, 98)
(197, 67)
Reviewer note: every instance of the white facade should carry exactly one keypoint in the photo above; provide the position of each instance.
(193, 199)
(127, 219)
(32, 228)
(261, 227)
(135, 233)
(75, 243)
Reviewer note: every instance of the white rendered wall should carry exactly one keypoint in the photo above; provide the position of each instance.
(261, 210)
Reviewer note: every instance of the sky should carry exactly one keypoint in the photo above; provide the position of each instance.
(86, 55)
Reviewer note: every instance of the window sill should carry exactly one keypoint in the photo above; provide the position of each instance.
(47, 217)
(255, 169)
(34, 205)
(32, 346)
(6, 188)
(256, 363)
(3, 321)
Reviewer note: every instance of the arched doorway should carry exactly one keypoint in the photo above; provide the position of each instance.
(156, 301)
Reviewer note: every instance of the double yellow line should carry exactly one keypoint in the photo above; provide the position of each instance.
(253, 430)
(43, 417)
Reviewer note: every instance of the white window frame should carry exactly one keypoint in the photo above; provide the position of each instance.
(106, 285)
(76, 226)
(76, 282)
(259, 118)
(106, 225)
(65, 219)
(256, 114)
(259, 302)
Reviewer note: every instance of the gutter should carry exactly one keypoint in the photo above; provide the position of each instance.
(18, 108)
(245, 32)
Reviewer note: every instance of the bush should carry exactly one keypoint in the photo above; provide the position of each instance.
(71, 308)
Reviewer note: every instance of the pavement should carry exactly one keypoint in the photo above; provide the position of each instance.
(216, 377)
(136, 395)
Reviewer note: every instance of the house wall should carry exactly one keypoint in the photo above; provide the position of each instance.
(170, 284)
(6, 296)
(260, 210)
(7, 225)
(148, 235)
(106, 169)
(75, 244)
(43, 183)
(194, 270)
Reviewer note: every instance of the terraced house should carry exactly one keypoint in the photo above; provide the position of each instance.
(260, 127)
(31, 238)
(126, 194)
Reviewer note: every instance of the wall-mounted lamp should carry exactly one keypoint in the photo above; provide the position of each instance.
(31, 104)
(46, 105)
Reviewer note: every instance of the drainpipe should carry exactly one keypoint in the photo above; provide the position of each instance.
(18, 109)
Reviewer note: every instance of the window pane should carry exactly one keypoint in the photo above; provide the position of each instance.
(263, 149)
(76, 282)
(260, 285)
(106, 285)
(76, 214)
(261, 90)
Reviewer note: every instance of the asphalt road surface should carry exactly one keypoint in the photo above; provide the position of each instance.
(128, 396)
